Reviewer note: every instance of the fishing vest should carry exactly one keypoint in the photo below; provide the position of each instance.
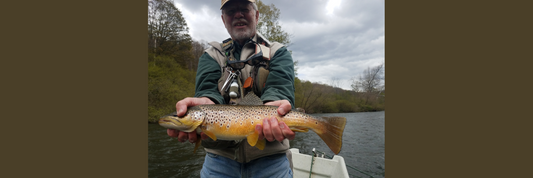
(234, 84)
(251, 78)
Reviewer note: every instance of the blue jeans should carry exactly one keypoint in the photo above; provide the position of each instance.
(269, 166)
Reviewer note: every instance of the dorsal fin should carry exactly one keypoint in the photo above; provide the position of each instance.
(251, 99)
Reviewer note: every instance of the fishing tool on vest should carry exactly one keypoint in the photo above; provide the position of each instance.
(235, 85)
(231, 79)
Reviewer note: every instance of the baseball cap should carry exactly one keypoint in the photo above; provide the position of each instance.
(225, 1)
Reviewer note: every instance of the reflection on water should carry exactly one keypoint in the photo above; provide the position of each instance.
(363, 148)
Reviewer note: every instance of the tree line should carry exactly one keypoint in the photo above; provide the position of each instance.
(324, 98)
(173, 61)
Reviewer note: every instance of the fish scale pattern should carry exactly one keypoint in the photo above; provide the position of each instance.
(235, 117)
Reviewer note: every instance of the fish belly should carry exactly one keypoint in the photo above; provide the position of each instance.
(234, 122)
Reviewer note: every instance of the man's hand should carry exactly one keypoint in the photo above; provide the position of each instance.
(271, 128)
(181, 108)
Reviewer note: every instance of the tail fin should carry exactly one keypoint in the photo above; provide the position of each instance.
(332, 134)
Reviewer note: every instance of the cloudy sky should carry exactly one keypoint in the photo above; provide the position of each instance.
(333, 40)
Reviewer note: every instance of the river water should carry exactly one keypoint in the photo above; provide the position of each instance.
(363, 148)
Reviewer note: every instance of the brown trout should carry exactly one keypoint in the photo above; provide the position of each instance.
(237, 122)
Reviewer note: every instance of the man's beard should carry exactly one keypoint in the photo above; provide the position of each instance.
(243, 34)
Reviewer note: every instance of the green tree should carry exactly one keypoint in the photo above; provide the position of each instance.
(168, 82)
(167, 30)
(268, 24)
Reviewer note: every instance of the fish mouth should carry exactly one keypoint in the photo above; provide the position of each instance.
(172, 124)
(169, 121)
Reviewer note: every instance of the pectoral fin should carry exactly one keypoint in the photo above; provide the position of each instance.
(261, 144)
(210, 134)
(253, 140)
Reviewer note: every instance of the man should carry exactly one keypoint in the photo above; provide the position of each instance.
(239, 159)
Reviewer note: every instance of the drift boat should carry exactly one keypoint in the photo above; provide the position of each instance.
(316, 166)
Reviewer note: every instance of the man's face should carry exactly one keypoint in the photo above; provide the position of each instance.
(240, 20)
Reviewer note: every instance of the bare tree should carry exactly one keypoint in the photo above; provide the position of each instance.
(312, 96)
(369, 82)
(336, 84)
(197, 51)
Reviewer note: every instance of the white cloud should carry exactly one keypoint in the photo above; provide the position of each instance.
(332, 5)
(331, 39)
(204, 24)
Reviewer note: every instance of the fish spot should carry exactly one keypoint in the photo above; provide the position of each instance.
(316, 122)
(252, 122)
(227, 126)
